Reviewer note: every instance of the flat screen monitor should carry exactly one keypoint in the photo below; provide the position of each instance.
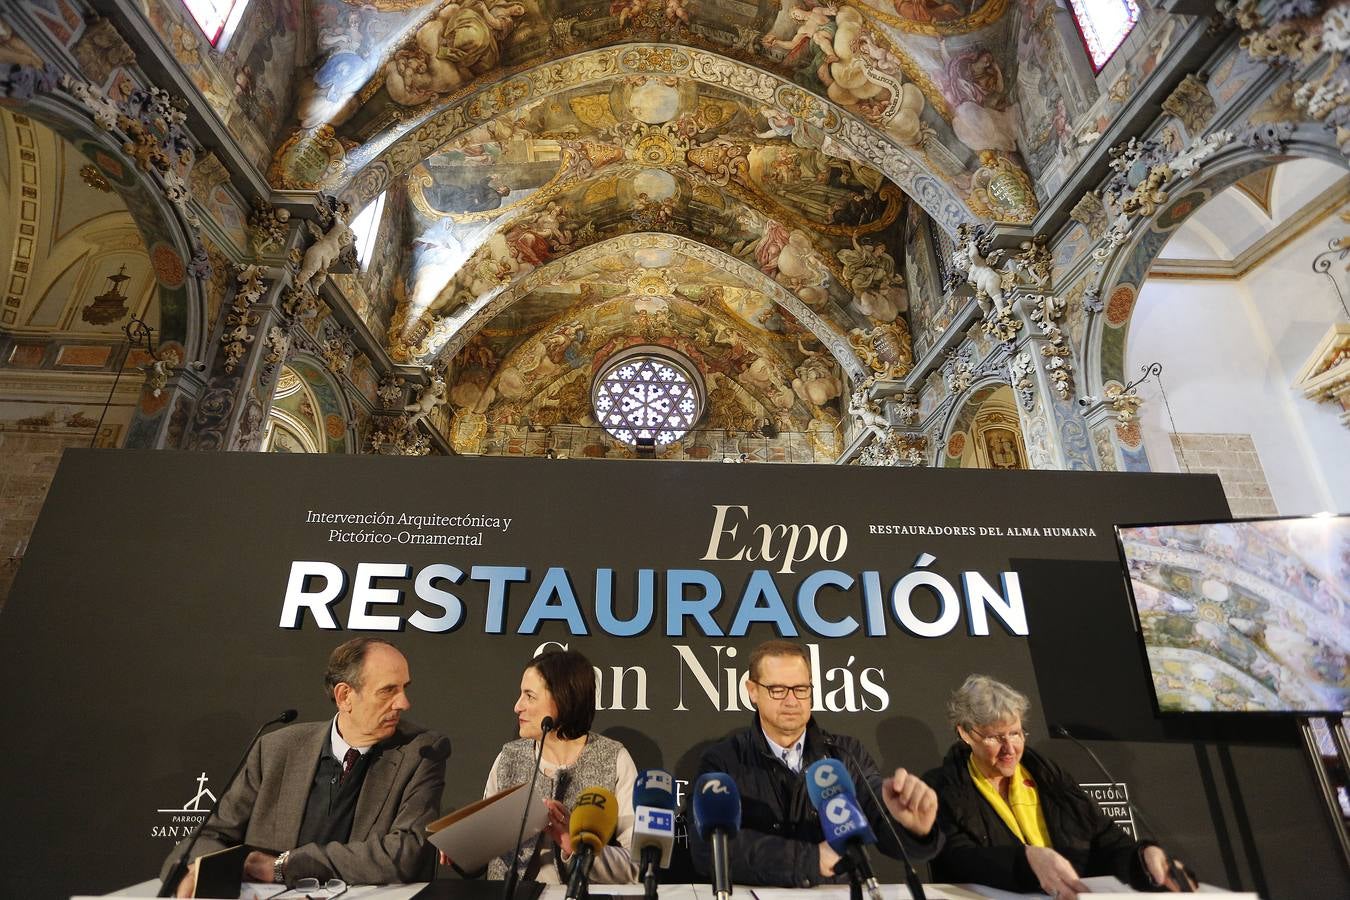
(1249, 616)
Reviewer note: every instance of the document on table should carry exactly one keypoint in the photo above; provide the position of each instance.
(1103, 887)
(484, 830)
(888, 892)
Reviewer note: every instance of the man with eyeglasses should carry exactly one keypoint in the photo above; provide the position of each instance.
(345, 799)
(781, 842)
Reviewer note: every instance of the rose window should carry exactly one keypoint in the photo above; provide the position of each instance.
(646, 397)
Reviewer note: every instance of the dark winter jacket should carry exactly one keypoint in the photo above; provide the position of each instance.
(981, 849)
(780, 834)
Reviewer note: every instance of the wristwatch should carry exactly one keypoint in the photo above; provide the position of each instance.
(279, 867)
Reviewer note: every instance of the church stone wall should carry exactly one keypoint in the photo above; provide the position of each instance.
(28, 461)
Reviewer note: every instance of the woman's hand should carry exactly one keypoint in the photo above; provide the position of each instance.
(1055, 873)
(559, 818)
(1155, 863)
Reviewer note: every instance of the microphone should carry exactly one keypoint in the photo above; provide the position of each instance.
(717, 816)
(593, 821)
(911, 876)
(846, 828)
(1181, 878)
(654, 824)
(180, 868)
(513, 877)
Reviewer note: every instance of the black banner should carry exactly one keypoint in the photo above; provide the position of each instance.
(170, 602)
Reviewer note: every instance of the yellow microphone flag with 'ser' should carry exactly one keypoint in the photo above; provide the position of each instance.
(594, 818)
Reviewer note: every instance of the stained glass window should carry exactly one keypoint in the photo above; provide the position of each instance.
(216, 17)
(1104, 25)
(646, 397)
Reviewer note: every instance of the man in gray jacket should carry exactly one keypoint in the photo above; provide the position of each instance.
(348, 797)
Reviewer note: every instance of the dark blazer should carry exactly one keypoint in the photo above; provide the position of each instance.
(780, 830)
(981, 849)
(401, 793)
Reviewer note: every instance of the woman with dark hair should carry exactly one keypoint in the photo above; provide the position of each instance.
(561, 685)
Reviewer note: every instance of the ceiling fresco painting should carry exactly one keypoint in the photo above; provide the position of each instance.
(644, 155)
(926, 78)
(535, 364)
(744, 183)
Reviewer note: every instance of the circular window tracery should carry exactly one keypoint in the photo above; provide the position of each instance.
(647, 394)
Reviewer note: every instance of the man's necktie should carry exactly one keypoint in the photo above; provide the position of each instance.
(349, 761)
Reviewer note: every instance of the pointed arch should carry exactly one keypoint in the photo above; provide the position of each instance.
(459, 328)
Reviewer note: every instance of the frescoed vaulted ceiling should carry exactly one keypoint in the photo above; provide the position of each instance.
(731, 178)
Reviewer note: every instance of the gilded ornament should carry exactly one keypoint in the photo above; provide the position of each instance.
(94, 178)
(1090, 212)
(309, 161)
(1002, 190)
(1002, 326)
(1192, 103)
(1126, 404)
(101, 49)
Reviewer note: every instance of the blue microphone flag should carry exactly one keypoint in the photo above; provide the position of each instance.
(826, 778)
(654, 787)
(717, 804)
(843, 823)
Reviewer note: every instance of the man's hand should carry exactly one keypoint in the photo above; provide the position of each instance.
(1055, 873)
(189, 882)
(827, 860)
(1155, 863)
(910, 802)
(260, 867)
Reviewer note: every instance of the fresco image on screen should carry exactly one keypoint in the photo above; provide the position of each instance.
(1244, 616)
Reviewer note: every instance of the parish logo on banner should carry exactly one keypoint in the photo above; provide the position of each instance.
(175, 824)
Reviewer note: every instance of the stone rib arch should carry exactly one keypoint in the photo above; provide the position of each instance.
(170, 240)
(1123, 272)
(332, 401)
(846, 134)
(574, 177)
(460, 327)
(961, 411)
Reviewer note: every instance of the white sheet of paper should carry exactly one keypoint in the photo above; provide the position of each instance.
(484, 830)
(888, 892)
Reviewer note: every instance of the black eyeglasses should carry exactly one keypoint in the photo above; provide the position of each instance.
(310, 889)
(780, 691)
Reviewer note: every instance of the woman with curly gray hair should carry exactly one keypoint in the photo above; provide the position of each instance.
(1014, 820)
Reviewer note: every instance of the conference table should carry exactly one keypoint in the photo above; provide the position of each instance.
(1103, 889)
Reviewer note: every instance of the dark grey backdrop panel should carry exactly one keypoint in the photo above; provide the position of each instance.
(143, 645)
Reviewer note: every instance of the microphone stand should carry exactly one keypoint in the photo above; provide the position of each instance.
(180, 868)
(1179, 876)
(911, 877)
(721, 855)
(578, 882)
(513, 877)
(651, 859)
(845, 866)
